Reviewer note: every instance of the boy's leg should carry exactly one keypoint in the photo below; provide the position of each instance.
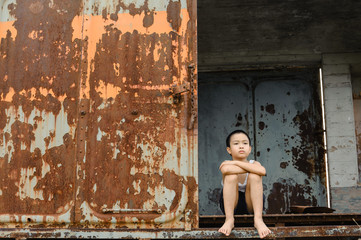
(254, 200)
(230, 199)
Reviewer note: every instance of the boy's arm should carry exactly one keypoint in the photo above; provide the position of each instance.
(228, 169)
(254, 167)
(242, 167)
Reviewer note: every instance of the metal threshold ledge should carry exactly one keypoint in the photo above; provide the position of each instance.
(212, 233)
(282, 226)
(275, 220)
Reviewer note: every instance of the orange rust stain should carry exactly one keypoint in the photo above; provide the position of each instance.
(31, 94)
(94, 27)
(9, 96)
(107, 90)
(36, 35)
(9, 26)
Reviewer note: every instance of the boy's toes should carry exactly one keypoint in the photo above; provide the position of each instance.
(265, 233)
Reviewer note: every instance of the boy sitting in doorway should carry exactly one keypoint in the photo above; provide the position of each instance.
(242, 184)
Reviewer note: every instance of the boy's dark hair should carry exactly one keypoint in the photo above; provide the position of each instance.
(228, 139)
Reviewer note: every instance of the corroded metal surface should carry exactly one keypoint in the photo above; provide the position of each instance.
(39, 80)
(272, 220)
(89, 131)
(237, 233)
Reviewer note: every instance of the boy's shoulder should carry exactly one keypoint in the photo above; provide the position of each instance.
(255, 162)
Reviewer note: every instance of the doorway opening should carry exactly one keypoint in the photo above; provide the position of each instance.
(282, 113)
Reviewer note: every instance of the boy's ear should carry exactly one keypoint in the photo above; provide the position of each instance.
(229, 151)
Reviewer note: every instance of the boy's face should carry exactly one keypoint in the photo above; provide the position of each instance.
(239, 146)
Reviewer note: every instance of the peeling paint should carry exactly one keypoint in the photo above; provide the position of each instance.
(86, 117)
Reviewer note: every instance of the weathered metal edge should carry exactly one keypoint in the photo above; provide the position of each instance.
(278, 232)
(315, 218)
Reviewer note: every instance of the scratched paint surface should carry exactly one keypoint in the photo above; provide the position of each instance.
(281, 113)
(89, 131)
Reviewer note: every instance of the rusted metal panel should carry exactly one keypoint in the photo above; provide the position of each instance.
(281, 112)
(139, 167)
(39, 80)
(90, 133)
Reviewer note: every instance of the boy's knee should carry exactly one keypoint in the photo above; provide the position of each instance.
(231, 178)
(254, 177)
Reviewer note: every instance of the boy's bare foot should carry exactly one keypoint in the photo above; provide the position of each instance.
(227, 227)
(261, 227)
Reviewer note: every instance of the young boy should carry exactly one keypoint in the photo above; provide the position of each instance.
(242, 184)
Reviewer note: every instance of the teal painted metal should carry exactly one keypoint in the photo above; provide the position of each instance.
(5, 15)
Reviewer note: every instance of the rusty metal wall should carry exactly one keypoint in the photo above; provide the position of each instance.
(39, 80)
(90, 132)
(281, 112)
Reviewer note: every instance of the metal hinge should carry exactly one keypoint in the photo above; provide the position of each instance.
(177, 90)
(194, 114)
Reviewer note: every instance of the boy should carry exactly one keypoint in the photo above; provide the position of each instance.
(242, 184)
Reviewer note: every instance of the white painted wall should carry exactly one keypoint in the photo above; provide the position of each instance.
(340, 122)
